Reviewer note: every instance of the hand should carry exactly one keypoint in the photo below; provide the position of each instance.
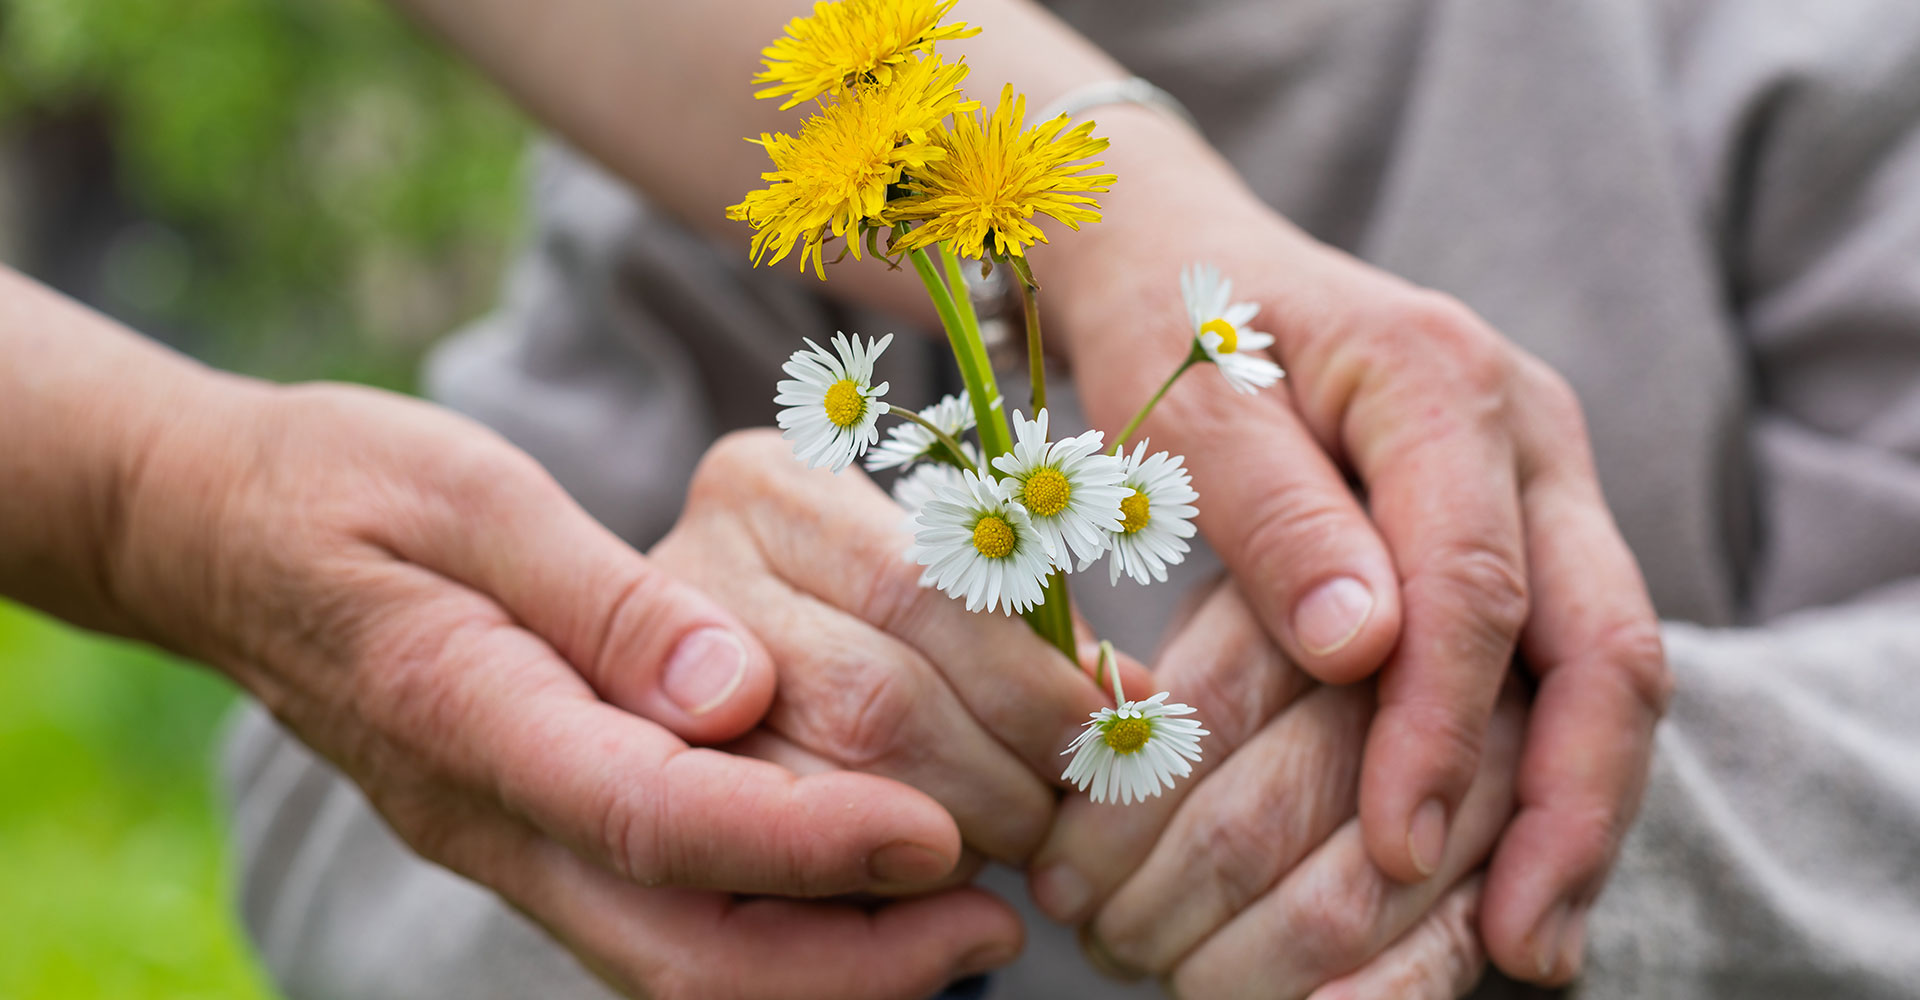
(1491, 528)
(877, 673)
(422, 604)
(1261, 846)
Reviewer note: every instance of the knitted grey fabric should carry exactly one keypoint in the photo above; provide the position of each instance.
(1705, 214)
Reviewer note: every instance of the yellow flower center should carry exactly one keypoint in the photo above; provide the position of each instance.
(1128, 735)
(1046, 492)
(1229, 337)
(1133, 513)
(845, 405)
(993, 537)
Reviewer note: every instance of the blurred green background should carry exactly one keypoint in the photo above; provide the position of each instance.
(292, 188)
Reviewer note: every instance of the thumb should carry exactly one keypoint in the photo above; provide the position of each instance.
(645, 641)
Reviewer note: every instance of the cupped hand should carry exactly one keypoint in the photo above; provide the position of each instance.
(1251, 879)
(1482, 531)
(514, 689)
(877, 673)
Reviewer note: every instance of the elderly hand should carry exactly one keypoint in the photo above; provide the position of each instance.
(877, 673)
(1251, 880)
(420, 602)
(1483, 530)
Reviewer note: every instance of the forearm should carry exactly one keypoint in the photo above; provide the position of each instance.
(81, 399)
(659, 92)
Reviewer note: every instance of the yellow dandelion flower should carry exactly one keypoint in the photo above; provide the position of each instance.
(994, 178)
(831, 180)
(853, 41)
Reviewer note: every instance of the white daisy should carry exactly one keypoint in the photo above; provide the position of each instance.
(831, 403)
(1072, 490)
(1134, 751)
(1156, 517)
(980, 546)
(928, 480)
(1220, 328)
(909, 442)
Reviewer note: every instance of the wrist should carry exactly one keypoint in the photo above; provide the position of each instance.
(1172, 183)
(170, 488)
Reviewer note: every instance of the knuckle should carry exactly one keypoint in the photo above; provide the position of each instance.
(485, 474)
(1487, 580)
(1340, 920)
(1588, 839)
(1447, 741)
(1436, 328)
(1551, 395)
(1240, 852)
(614, 633)
(626, 842)
(736, 457)
(1635, 649)
(1460, 957)
(1446, 732)
(1287, 518)
(876, 708)
(892, 598)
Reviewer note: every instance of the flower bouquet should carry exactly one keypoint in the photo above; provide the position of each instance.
(897, 161)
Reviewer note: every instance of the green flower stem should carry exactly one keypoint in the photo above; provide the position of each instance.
(975, 370)
(1057, 612)
(946, 440)
(1030, 304)
(1194, 357)
(1053, 617)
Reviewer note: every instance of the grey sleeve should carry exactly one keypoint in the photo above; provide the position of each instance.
(1778, 850)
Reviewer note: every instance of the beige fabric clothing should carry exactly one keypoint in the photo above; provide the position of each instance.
(1705, 213)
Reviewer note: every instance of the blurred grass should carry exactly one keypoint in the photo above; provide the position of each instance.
(112, 882)
(298, 189)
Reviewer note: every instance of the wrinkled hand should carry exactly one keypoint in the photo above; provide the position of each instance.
(877, 673)
(421, 603)
(1484, 528)
(1251, 879)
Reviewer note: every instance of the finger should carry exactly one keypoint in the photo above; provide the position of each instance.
(1595, 642)
(713, 948)
(1440, 959)
(871, 703)
(1337, 909)
(680, 944)
(490, 703)
(837, 540)
(646, 642)
(1275, 507)
(1250, 822)
(765, 744)
(1224, 665)
(1444, 491)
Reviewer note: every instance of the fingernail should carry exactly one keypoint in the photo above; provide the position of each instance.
(1573, 942)
(1546, 941)
(1327, 619)
(704, 670)
(1062, 892)
(985, 958)
(906, 861)
(1427, 837)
